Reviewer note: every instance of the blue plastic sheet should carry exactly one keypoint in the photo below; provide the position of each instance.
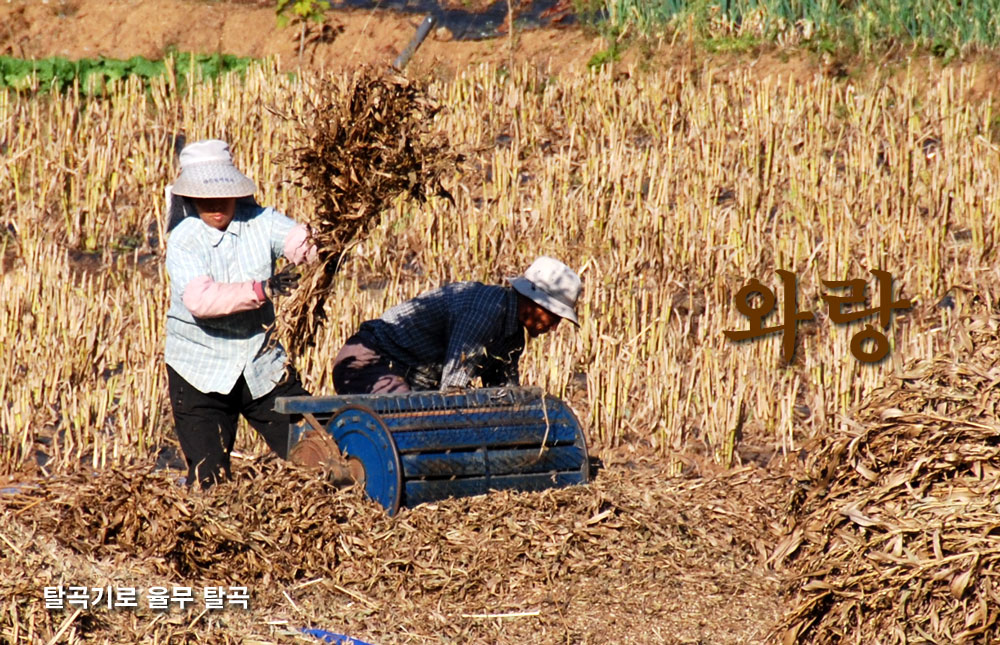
(332, 637)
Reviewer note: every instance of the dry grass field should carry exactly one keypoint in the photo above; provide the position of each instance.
(668, 191)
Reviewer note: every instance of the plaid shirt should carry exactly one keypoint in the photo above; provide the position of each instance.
(212, 353)
(446, 337)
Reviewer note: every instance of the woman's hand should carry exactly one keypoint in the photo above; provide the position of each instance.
(281, 283)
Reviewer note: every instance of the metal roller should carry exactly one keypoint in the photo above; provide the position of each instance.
(425, 446)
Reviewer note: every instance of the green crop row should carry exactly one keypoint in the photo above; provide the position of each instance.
(944, 27)
(92, 76)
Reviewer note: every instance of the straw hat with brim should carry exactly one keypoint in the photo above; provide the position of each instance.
(207, 170)
(552, 285)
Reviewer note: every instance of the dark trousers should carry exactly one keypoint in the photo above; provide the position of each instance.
(205, 423)
(360, 369)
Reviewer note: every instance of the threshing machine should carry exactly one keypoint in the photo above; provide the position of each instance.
(424, 446)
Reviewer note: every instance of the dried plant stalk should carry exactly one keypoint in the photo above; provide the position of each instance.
(362, 146)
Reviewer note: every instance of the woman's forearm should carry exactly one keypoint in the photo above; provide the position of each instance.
(206, 298)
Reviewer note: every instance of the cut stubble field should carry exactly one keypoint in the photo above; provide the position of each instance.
(668, 190)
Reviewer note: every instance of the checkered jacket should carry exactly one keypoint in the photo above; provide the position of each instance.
(450, 335)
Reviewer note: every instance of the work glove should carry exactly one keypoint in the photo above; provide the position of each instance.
(282, 283)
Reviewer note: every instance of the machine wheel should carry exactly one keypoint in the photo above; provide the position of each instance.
(360, 433)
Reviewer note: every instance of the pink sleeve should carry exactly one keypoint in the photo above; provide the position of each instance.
(206, 298)
(298, 247)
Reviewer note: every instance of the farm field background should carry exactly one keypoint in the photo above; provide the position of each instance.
(669, 180)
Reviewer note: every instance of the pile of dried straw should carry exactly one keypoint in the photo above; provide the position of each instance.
(629, 558)
(898, 537)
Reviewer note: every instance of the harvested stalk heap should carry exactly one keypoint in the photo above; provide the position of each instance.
(249, 529)
(572, 564)
(365, 142)
(897, 539)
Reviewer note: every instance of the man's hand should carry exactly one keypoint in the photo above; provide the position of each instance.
(282, 283)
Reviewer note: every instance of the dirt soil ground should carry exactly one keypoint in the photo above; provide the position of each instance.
(125, 28)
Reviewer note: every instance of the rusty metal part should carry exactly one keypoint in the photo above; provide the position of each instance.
(317, 450)
(357, 470)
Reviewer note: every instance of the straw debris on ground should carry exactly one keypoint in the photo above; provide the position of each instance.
(364, 141)
(634, 557)
(897, 538)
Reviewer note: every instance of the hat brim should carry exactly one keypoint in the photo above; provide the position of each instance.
(527, 289)
(178, 208)
(213, 180)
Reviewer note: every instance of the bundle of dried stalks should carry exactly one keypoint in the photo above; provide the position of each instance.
(363, 143)
(897, 538)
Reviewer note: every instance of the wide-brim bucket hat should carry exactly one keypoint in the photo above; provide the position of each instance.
(552, 285)
(207, 170)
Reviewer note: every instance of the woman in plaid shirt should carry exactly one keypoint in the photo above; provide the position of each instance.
(220, 363)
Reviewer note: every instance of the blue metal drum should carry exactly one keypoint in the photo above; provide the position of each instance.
(425, 446)
(359, 433)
